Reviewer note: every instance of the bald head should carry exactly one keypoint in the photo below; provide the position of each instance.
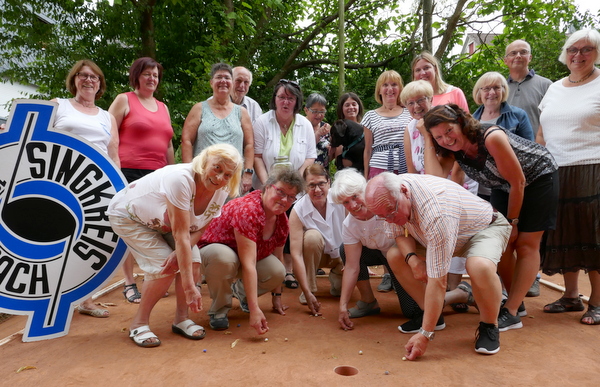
(517, 58)
(242, 79)
(387, 197)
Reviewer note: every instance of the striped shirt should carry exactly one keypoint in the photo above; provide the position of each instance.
(387, 132)
(444, 216)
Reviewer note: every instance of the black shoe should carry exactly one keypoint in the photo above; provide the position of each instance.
(413, 326)
(219, 324)
(521, 312)
(320, 272)
(487, 339)
(507, 321)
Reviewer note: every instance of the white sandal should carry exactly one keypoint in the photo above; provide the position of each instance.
(141, 334)
(187, 328)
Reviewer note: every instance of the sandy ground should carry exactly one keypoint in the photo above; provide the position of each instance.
(303, 350)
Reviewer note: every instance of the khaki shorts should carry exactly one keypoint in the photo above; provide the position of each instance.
(489, 243)
(149, 247)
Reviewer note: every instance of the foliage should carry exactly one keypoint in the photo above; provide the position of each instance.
(273, 38)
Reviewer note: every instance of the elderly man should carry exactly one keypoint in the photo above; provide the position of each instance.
(448, 221)
(526, 88)
(242, 79)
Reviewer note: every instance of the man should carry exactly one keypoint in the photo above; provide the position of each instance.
(242, 79)
(526, 88)
(448, 221)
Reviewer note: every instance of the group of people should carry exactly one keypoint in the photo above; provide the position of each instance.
(436, 193)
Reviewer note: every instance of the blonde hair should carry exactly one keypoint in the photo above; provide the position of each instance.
(70, 81)
(439, 86)
(487, 79)
(385, 76)
(416, 88)
(229, 155)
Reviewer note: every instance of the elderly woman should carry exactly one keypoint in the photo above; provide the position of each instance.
(219, 121)
(525, 177)
(570, 128)
(316, 235)
(283, 132)
(491, 93)
(247, 241)
(426, 67)
(145, 135)
(161, 217)
(315, 110)
(80, 115)
(350, 107)
(384, 128)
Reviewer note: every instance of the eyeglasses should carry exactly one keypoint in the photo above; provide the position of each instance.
(222, 78)
(487, 89)
(389, 216)
(279, 192)
(583, 50)
(287, 81)
(91, 77)
(317, 111)
(321, 185)
(515, 53)
(288, 99)
(148, 75)
(420, 101)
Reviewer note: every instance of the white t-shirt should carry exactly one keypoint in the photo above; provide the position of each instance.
(370, 233)
(94, 128)
(145, 200)
(330, 228)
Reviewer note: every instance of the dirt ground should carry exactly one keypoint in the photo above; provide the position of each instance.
(303, 350)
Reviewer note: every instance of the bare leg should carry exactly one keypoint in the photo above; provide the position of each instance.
(526, 268)
(366, 292)
(572, 284)
(486, 288)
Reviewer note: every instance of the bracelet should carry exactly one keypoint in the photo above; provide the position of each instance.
(276, 294)
(408, 257)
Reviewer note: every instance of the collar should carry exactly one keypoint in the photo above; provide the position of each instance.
(529, 75)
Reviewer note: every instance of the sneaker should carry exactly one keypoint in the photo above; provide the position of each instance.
(507, 321)
(219, 324)
(363, 309)
(243, 303)
(487, 339)
(386, 283)
(302, 299)
(521, 312)
(413, 326)
(534, 290)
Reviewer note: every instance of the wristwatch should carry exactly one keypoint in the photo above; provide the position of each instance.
(248, 170)
(429, 335)
(513, 221)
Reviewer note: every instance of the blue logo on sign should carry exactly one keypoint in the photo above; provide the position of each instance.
(56, 244)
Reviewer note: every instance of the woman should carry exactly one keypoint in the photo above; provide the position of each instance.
(366, 242)
(316, 234)
(570, 128)
(491, 93)
(315, 110)
(384, 128)
(525, 176)
(426, 67)
(80, 115)
(283, 132)
(219, 121)
(417, 97)
(350, 107)
(145, 135)
(247, 241)
(160, 217)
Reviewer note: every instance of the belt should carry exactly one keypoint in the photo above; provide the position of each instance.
(494, 216)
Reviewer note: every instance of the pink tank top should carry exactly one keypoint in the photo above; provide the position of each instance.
(144, 136)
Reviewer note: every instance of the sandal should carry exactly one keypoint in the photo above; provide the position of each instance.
(593, 312)
(565, 304)
(136, 297)
(141, 335)
(187, 328)
(290, 284)
(100, 313)
(363, 309)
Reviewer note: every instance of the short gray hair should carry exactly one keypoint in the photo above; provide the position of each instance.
(346, 183)
(592, 35)
(315, 98)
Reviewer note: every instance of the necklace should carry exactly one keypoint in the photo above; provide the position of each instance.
(582, 79)
(86, 106)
